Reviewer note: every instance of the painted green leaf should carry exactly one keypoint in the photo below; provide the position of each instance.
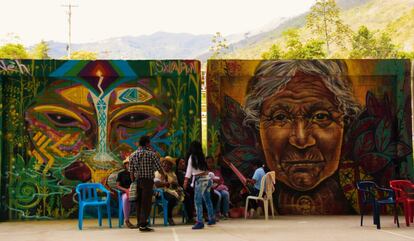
(373, 162)
(364, 144)
(382, 135)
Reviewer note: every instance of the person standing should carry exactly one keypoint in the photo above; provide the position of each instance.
(143, 164)
(197, 168)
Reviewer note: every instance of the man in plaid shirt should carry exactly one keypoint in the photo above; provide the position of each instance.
(142, 165)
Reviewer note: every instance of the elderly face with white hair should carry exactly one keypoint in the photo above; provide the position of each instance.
(300, 109)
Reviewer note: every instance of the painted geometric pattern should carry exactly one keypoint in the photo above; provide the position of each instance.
(133, 95)
(70, 122)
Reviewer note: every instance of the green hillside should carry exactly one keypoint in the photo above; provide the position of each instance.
(375, 14)
(404, 30)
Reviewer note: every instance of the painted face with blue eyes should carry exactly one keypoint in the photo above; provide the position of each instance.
(301, 131)
(64, 124)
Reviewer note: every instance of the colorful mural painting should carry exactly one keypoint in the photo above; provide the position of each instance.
(321, 125)
(67, 122)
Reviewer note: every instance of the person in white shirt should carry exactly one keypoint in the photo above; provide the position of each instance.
(197, 168)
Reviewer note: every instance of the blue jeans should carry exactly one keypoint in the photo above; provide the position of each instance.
(224, 197)
(202, 191)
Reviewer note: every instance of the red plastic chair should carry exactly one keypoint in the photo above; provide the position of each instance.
(403, 189)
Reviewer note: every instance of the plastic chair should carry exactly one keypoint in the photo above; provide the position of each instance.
(368, 191)
(401, 189)
(88, 196)
(160, 201)
(266, 184)
(111, 182)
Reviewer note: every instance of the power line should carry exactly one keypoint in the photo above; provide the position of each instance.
(69, 46)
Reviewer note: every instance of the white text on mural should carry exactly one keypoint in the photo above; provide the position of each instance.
(175, 66)
(12, 66)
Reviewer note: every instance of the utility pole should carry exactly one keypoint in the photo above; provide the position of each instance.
(69, 46)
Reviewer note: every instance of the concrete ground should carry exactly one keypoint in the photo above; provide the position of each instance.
(284, 228)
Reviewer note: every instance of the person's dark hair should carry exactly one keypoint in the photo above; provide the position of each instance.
(144, 140)
(266, 168)
(178, 160)
(177, 163)
(197, 156)
(257, 163)
(210, 157)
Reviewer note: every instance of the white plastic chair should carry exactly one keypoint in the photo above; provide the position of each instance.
(266, 185)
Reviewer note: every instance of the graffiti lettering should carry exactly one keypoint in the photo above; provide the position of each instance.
(175, 66)
(12, 66)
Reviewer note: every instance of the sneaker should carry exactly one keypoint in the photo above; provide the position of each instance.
(198, 225)
(211, 222)
(145, 229)
(225, 216)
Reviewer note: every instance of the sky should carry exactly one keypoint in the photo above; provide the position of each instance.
(94, 20)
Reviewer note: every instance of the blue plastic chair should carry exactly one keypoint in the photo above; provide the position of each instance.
(88, 196)
(120, 208)
(368, 191)
(111, 183)
(160, 201)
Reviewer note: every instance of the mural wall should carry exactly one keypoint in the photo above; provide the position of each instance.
(321, 125)
(67, 122)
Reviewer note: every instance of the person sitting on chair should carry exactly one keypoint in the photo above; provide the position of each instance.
(181, 167)
(172, 191)
(123, 181)
(259, 173)
(220, 189)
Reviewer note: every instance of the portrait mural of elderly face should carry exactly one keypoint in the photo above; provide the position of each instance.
(303, 118)
(300, 115)
(78, 120)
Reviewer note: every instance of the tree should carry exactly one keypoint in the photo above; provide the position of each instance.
(385, 48)
(313, 49)
(363, 44)
(275, 52)
(295, 49)
(219, 45)
(405, 55)
(13, 51)
(374, 44)
(41, 50)
(294, 46)
(324, 21)
(83, 55)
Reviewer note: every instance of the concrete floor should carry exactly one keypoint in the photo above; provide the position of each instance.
(284, 228)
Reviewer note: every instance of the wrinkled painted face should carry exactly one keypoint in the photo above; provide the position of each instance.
(69, 122)
(301, 131)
